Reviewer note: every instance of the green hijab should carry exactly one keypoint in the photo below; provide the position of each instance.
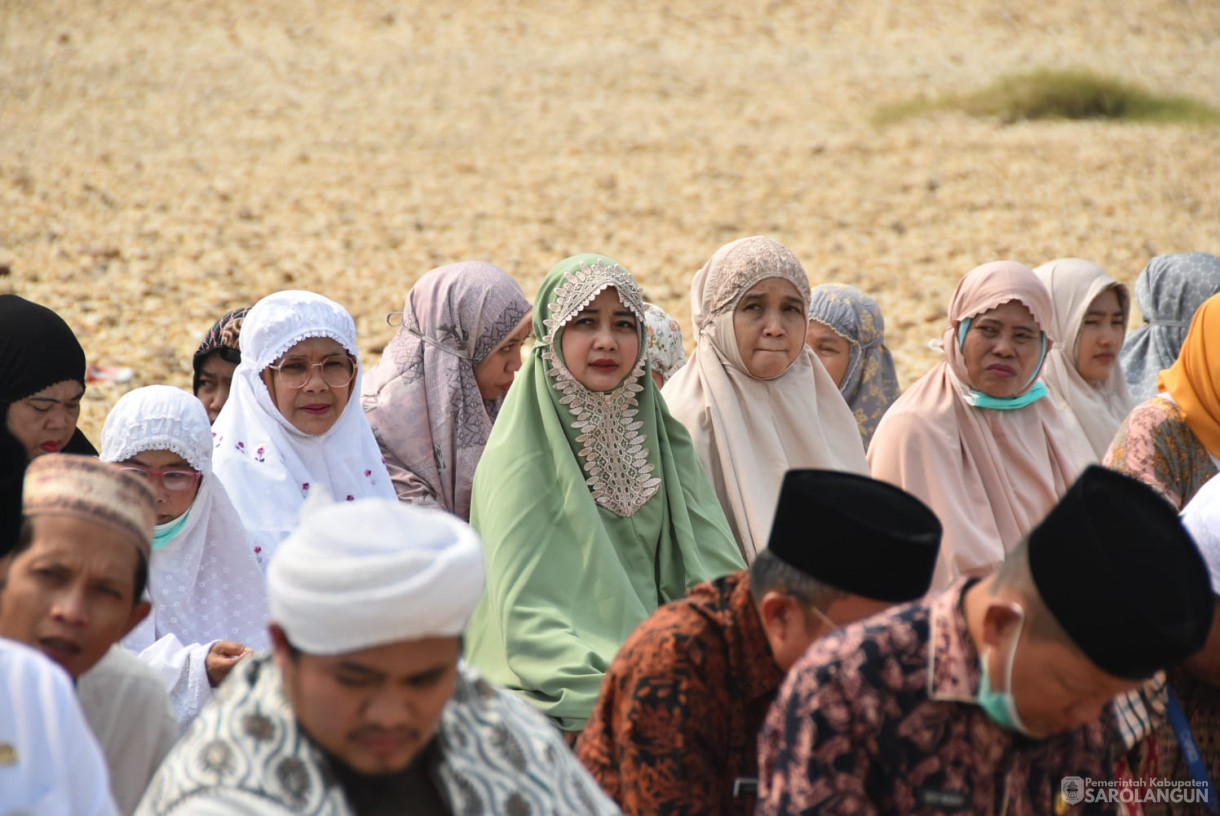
(593, 508)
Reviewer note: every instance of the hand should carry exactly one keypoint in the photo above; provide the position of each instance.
(222, 657)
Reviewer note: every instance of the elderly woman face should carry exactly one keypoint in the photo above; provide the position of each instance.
(45, 421)
(311, 384)
(1002, 349)
(769, 323)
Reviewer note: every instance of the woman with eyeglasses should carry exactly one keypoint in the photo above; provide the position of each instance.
(442, 379)
(209, 599)
(290, 426)
(42, 379)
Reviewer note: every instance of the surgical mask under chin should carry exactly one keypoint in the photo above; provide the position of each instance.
(1001, 706)
(164, 533)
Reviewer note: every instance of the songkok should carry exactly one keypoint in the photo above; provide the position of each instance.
(373, 571)
(60, 484)
(1112, 557)
(12, 469)
(856, 534)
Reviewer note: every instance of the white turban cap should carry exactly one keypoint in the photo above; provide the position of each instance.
(374, 571)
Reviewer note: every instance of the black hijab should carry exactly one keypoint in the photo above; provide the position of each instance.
(38, 350)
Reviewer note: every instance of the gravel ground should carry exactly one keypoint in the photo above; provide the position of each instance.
(162, 162)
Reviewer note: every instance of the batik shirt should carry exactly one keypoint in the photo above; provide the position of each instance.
(1155, 445)
(882, 718)
(676, 728)
(246, 754)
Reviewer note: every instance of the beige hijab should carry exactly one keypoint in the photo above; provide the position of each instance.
(749, 432)
(1092, 412)
(990, 475)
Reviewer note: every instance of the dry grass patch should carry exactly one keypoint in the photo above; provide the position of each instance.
(1047, 93)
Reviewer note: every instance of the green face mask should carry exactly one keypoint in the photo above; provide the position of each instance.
(164, 533)
(1000, 705)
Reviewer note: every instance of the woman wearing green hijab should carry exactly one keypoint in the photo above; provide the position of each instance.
(591, 502)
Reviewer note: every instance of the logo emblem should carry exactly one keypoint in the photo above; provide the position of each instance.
(1072, 789)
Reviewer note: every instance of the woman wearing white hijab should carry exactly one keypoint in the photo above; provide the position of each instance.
(209, 600)
(1083, 372)
(756, 400)
(290, 425)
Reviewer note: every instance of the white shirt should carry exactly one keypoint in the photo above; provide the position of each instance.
(50, 763)
(129, 711)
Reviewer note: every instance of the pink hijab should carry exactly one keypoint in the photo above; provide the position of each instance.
(990, 475)
(422, 398)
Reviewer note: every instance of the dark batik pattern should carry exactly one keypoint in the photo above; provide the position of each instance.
(682, 704)
(880, 718)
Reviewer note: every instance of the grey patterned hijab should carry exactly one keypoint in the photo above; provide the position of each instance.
(422, 398)
(1168, 292)
(870, 384)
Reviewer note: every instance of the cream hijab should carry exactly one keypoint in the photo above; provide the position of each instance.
(989, 474)
(749, 432)
(1092, 412)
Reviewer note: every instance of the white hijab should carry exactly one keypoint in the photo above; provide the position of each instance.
(269, 466)
(205, 583)
(1092, 412)
(749, 432)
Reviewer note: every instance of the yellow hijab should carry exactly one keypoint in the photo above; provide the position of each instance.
(1190, 380)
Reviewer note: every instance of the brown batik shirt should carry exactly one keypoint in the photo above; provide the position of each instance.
(675, 731)
(882, 718)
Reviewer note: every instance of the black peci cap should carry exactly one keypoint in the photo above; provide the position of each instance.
(856, 534)
(1121, 575)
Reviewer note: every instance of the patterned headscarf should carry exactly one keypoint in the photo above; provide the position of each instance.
(422, 398)
(593, 511)
(870, 384)
(749, 431)
(663, 342)
(224, 337)
(1168, 292)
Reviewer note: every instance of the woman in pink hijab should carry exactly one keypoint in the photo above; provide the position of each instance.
(442, 379)
(976, 438)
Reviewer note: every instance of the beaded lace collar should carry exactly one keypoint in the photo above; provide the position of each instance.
(614, 452)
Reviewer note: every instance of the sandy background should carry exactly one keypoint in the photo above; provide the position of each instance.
(162, 162)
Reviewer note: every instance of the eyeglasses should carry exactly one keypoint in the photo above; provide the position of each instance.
(175, 481)
(296, 372)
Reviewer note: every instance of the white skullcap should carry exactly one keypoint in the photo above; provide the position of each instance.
(360, 574)
(1201, 518)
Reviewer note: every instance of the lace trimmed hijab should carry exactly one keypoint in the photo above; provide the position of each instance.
(593, 510)
(750, 432)
(990, 475)
(205, 583)
(422, 399)
(1092, 412)
(870, 384)
(265, 462)
(1168, 292)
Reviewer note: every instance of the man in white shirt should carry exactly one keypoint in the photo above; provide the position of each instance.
(73, 588)
(50, 764)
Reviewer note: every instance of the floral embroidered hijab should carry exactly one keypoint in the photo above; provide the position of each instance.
(870, 384)
(593, 510)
